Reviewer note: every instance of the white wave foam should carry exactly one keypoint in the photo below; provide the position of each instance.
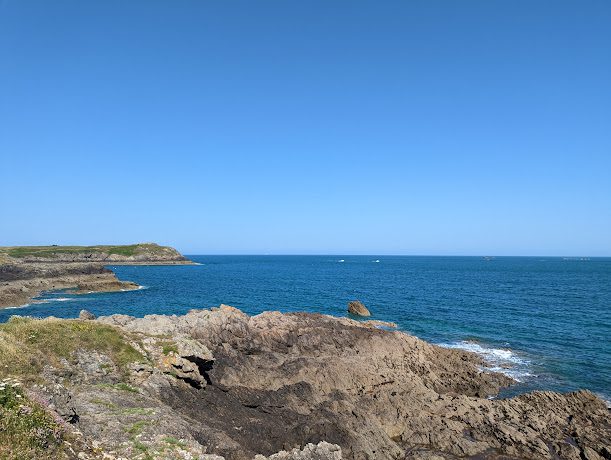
(136, 289)
(55, 299)
(516, 374)
(18, 306)
(605, 400)
(501, 360)
(341, 260)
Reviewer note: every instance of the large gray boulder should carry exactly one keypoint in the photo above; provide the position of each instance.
(357, 308)
(86, 315)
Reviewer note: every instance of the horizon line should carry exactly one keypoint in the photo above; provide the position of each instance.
(394, 255)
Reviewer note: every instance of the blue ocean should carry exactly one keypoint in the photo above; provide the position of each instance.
(544, 321)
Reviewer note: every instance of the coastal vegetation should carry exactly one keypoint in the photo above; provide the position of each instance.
(27, 345)
(27, 429)
(53, 251)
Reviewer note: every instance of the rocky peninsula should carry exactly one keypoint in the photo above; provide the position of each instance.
(218, 383)
(26, 271)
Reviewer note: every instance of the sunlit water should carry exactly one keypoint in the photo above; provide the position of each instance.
(544, 321)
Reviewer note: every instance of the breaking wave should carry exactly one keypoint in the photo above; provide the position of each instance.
(501, 360)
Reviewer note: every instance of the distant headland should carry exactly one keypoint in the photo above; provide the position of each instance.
(26, 271)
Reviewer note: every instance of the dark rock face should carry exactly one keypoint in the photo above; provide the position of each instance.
(357, 308)
(23, 271)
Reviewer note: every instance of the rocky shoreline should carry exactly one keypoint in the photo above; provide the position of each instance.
(218, 383)
(79, 278)
(25, 272)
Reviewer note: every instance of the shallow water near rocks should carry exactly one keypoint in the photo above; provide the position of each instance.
(544, 321)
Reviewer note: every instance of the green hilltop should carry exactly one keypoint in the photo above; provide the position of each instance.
(54, 250)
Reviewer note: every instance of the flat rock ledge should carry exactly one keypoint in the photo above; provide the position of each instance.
(219, 384)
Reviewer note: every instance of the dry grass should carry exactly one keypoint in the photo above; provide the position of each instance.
(27, 345)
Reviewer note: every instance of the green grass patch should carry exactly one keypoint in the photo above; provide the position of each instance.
(137, 411)
(49, 252)
(27, 344)
(107, 404)
(121, 386)
(168, 347)
(174, 442)
(136, 428)
(143, 448)
(134, 431)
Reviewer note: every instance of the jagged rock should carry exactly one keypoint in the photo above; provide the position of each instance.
(190, 361)
(271, 382)
(60, 401)
(357, 308)
(373, 392)
(321, 451)
(86, 315)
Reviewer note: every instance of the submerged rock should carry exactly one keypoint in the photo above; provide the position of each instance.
(357, 308)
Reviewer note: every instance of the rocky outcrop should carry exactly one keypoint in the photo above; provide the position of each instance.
(219, 382)
(86, 315)
(357, 308)
(38, 277)
(27, 271)
(321, 451)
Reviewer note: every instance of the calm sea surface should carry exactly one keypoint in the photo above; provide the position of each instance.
(545, 321)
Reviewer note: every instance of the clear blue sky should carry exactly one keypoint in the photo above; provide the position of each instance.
(380, 127)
